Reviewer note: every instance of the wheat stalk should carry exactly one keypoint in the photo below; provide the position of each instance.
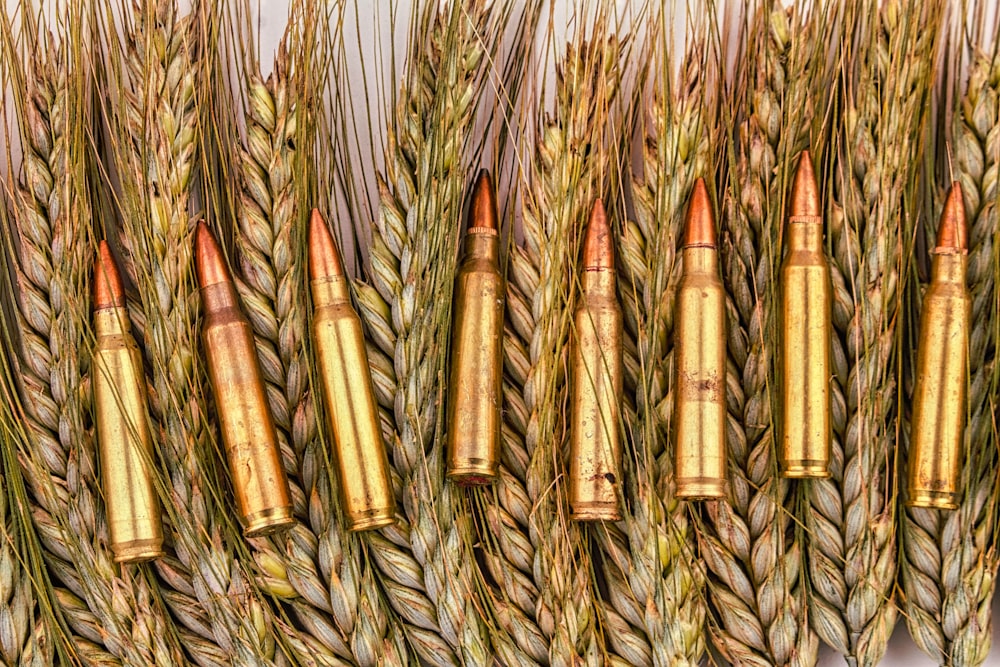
(949, 559)
(427, 567)
(53, 257)
(654, 584)
(544, 603)
(153, 148)
(852, 521)
(750, 543)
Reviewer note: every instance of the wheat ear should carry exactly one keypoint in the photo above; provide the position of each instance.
(655, 586)
(153, 147)
(949, 559)
(750, 543)
(316, 567)
(851, 522)
(426, 563)
(52, 216)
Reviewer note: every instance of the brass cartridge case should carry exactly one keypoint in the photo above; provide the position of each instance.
(805, 326)
(348, 398)
(122, 424)
(700, 360)
(595, 451)
(248, 432)
(476, 375)
(937, 427)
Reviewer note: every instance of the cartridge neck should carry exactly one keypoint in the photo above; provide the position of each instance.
(598, 281)
(111, 321)
(949, 268)
(805, 233)
(219, 296)
(329, 291)
(481, 245)
(700, 259)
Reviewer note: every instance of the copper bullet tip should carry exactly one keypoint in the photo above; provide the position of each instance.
(108, 289)
(805, 193)
(483, 212)
(699, 226)
(598, 244)
(953, 234)
(324, 257)
(209, 262)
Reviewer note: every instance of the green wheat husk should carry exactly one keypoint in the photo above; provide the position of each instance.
(52, 259)
(536, 557)
(949, 559)
(152, 148)
(655, 584)
(750, 542)
(316, 567)
(426, 563)
(851, 521)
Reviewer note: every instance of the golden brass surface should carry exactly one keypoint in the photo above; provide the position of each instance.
(248, 431)
(805, 326)
(700, 377)
(476, 376)
(124, 440)
(936, 430)
(352, 412)
(595, 395)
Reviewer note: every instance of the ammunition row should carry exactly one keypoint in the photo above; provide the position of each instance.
(475, 380)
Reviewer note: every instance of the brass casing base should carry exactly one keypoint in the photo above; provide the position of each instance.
(371, 520)
(933, 499)
(138, 551)
(268, 522)
(595, 512)
(472, 472)
(804, 469)
(700, 488)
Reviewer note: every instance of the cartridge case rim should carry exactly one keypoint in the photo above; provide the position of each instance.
(268, 522)
(138, 551)
(471, 473)
(599, 511)
(700, 488)
(804, 470)
(371, 519)
(942, 500)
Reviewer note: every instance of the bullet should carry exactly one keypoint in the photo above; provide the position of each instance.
(348, 398)
(121, 416)
(248, 432)
(476, 375)
(700, 359)
(596, 381)
(936, 430)
(806, 297)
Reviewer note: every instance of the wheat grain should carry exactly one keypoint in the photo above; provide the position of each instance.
(851, 522)
(750, 543)
(427, 568)
(52, 214)
(949, 559)
(653, 580)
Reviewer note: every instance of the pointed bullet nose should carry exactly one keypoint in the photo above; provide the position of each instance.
(209, 262)
(108, 289)
(483, 211)
(805, 193)
(699, 226)
(598, 244)
(953, 233)
(324, 257)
